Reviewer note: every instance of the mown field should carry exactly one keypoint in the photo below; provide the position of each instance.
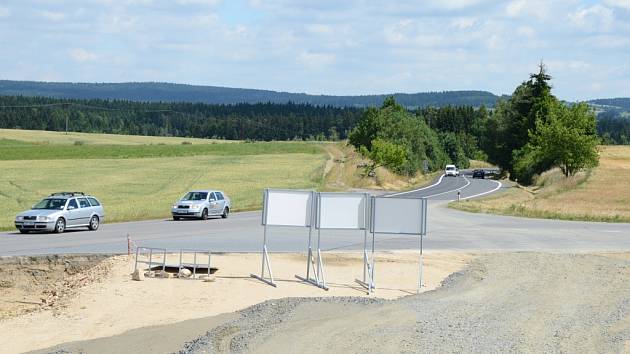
(48, 137)
(601, 194)
(143, 181)
(19, 150)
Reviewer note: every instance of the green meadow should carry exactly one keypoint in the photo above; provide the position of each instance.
(142, 181)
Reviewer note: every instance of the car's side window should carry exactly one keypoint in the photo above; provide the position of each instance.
(72, 203)
(219, 196)
(84, 203)
(212, 196)
(94, 202)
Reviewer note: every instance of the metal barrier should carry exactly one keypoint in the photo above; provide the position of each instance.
(193, 265)
(150, 250)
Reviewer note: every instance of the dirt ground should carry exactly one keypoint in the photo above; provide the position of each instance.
(30, 284)
(98, 299)
(502, 303)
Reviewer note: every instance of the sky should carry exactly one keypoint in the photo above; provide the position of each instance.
(331, 47)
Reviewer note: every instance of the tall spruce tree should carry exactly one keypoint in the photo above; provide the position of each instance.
(533, 131)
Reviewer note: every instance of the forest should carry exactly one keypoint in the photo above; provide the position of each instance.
(261, 121)
(167, 92)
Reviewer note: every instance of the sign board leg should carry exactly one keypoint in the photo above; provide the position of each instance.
(265, 262)
(368, 267)
(318, 270)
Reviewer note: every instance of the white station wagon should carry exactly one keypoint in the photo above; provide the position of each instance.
(61, 211)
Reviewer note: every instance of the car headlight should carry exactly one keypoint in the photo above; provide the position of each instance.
(174, 206)
(194, 206)
(43, 218)
(19, 218)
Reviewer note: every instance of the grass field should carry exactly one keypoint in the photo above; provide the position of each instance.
(602, 194)
(48, 137)
(19, 150)
(150, 178)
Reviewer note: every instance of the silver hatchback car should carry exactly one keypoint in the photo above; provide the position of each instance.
(201, 204)
(61, 211)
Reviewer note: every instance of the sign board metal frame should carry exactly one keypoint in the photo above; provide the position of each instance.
(322, 222)
(308, 222)
(374, 229)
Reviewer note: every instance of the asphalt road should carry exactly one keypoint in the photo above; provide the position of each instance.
(447, 230)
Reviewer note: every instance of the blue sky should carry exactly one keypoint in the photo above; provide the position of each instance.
(323, 47)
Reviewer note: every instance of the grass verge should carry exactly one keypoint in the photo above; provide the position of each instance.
(344, 171)
(597, 195)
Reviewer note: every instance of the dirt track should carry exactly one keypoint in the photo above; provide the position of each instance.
(521, 302)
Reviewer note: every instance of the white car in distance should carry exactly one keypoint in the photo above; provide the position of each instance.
(451, 171)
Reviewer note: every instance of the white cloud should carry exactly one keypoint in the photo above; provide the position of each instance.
(318, 28)
(205, 20)
(52, 15)
(607, 41)
(81, 55)
(624, 4)
(561, 66)
(4, 12)
(526, 31)
(594, 18)
(398, 33)
(313, 60)
(463, 23)
(494, 42)
(453, 4)
(539, 9)
(199, 2)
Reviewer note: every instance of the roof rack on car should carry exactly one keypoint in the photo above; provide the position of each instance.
(71, 194)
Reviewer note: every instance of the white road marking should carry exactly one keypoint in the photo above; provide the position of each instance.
(499, 185)
(452, 190)
(419, 189)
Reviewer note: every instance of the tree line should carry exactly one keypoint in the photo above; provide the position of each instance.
(614, 127)
(262, 121)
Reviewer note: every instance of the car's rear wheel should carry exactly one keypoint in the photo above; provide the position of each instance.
(22, 231)
(94, 223)
(226, 212)
(204, 214)
(176, 218)
(60, 225)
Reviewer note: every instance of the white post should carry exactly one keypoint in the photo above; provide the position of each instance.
(265, 254)
(420, 279)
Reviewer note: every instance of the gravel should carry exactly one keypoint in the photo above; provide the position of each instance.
(501, 303)
(258, 321)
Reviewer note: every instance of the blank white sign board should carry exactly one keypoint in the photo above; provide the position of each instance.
(342, 211)
(288, 208)
(398, 216)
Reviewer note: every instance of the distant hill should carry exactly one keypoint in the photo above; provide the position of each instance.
(166, 92)
(622, 103)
